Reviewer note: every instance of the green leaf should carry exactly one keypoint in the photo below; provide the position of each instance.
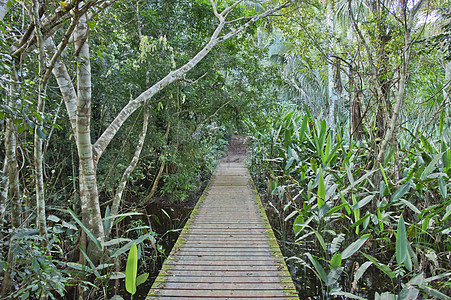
(400, 192)
(131, 270)
(363, 202)
(40, 133)
(442, 187)
(126, 247)
(333, 276)
(354, 247)
(385, 177)
(320, 240)
(345, 294)
(85, 229)
(431, 166)
(335, 261)
(434, 293)
(319, 269)
(141, 278)
(409, 291)
(91, 264)
(107, 222)
(402, 251)
(380, 266)
(321, 189)
(359, 273)
(411, 206)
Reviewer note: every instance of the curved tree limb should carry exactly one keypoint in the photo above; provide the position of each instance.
(132, 106)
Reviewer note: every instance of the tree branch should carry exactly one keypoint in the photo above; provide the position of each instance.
(106, 137)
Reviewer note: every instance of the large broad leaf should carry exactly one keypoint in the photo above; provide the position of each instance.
(85, 229)
(410, 291)
(321, 189)
(142, 278)
(431, 166)
(402, 250)
(434, 293)
(384, 268)
(335, 261)
(361, 270)
(319, 269)
(339, 292)
(126, 247)
(354, 247)
(401, 192)
(385, 296)
(131, 270)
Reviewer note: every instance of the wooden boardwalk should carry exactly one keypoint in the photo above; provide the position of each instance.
(227, 249)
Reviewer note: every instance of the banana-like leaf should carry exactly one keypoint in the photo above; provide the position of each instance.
(354, 247)
(431, 166)
(359, 273)
(410, 291)
(321, 189)
(402, 250)
(131, 271)
(319, 269)
(85, 229)
(142, 278)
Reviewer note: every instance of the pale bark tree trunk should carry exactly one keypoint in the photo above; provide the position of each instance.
(38, 144)
(14, 195)
(122, 184)
(402, 81)
(3, 9)
(3, 190)
(90, 207)
(331, 68)
(446, 92)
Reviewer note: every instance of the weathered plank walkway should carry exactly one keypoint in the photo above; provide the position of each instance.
(227, 249)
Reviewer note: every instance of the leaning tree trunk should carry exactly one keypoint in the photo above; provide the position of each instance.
(129, 170)
(90, 208)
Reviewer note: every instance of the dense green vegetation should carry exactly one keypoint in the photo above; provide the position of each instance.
(109, 107)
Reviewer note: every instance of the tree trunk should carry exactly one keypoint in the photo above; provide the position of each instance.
(38, 144)
(331, 68)
(14, 195)
(390, 133)
(3, 190)
(90, 208)
(3, 9)
(447, 90)
(129, 170)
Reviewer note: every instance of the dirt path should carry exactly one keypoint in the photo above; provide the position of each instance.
(237, 150)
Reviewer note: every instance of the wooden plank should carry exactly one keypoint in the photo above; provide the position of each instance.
(238, 277)
(229, 293)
